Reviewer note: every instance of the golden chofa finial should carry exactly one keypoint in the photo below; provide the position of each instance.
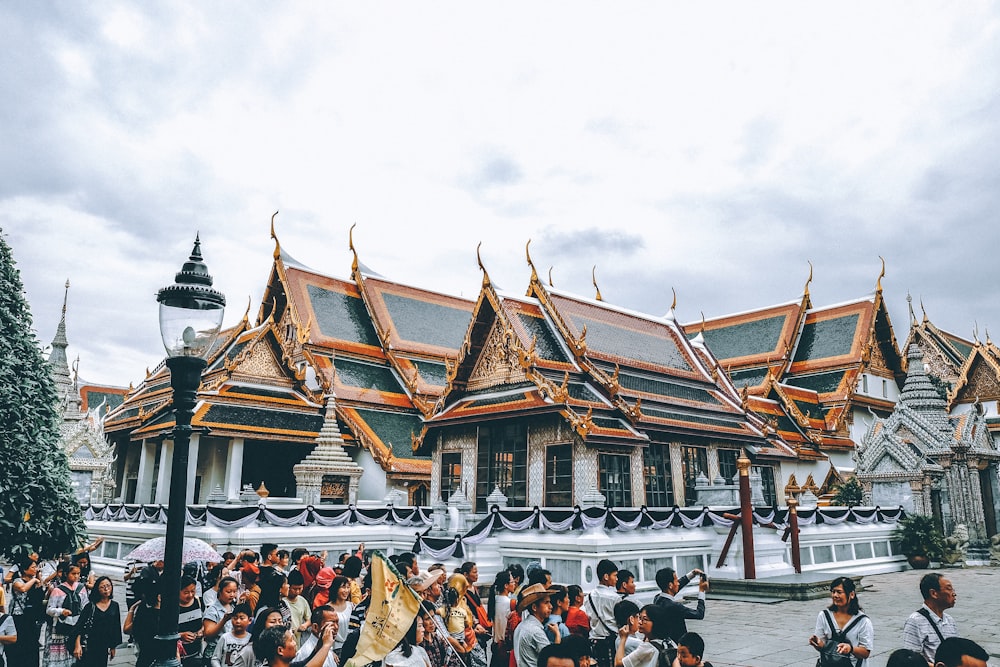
(550, 277)
(246, 313)
(673, 304)
(809, 279)
(702, 323)
(350, 244)
(277, 244)
(922, 309)
(479, 259)
(593, 277)
(878, 283)
(909, 304)
(527, 255)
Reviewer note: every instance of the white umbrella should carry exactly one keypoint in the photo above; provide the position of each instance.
(193, 549)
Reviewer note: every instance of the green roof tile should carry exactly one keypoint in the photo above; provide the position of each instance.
(744, 339)
(629, 344)
(821, 383)
(263, 418)
(427, 323)
(811, 410)
(694, 419)
(964, 350)
(342, 317)
(748, 378)
(545, 341)
(394, 430)
(827, 338)
(662, 388)
(432, 373)
(366, 376)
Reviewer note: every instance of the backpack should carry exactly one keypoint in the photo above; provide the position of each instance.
(666, 651)
(3, 659)
(828, 656)
(71, 602)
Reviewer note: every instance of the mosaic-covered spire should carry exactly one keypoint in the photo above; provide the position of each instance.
(919, 394)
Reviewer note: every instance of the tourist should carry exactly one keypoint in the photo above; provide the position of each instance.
(691, 651)
(557, 655)
(229, 649)
(277, 645)
(210, 584)
(600, 606)
(408, 652)
(190, 622)
(677, 614)
(436, 643)
(482, 625)
(560, 605)
(149, 578)
(904, 657)
(626, 583)
(458, 621)
(269, 578)
(267, 617)
(652, 625)
(8, 635)
(66, 601)
(578, 648)
(322, 623)
(498, 606)
(960, 652)
(538, 575)
(218, 616)
(517, 574)
(530, 638)
(132, 568)
(844, 624)
(284, 558)
(627, 616)
(82, 561)
(298, 606)
(352, 570)
(250, 589)
(340, 600)
(320, 594)
(27, 607)
(427, 585)
(407, 564)
(98, 632)
(141, 622)
(576, 618)
(928, 626)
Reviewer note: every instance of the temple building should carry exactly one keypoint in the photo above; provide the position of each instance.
(814, 374)
(82, 406)
(921, 458)
(558, 400)
(319, 400)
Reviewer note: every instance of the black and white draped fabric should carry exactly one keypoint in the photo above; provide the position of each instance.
(240, 516)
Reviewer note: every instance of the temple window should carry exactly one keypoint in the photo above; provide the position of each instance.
(502, 461)
(767, 484)
(559, 476)
(451, 473)
(616, 479)
(727, 464)
(656, 470)
(419, 495)
(695, 461)
(885, 389)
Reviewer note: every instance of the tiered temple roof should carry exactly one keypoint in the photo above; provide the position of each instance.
(799, 366)
(616, 376)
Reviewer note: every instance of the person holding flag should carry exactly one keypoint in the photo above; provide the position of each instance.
(391, 614)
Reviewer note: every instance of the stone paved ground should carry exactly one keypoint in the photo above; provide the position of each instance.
(748, 634)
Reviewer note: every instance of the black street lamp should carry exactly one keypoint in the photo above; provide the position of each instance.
(190, 319)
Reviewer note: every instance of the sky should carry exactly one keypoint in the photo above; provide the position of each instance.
(711, 148)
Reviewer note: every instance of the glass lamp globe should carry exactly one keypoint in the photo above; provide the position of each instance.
(190, 310)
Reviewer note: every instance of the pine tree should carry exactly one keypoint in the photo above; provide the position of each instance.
(38, 510)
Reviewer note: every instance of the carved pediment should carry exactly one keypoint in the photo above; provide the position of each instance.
(983, 383)
(498, 362)
(260, 361)
(876, 361)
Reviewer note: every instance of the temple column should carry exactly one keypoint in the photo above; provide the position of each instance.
(712, 455)
(677, 474)
(234, 471)
(144, 481)
(192, 468)
(163, 478)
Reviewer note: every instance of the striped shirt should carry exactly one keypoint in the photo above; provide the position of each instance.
(919, 634)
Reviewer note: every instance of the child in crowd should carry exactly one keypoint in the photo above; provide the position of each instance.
(229, 650)
(297, 605)
(690, 650)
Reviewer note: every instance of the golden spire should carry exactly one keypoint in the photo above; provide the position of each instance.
(878, 283)
(809, 279)
(246, 313)
(550, 277)
(593, 277)
(909, 304)
(975, 331)
(702, 331)
(277, 244)
(350, 245)
(673, 304)
(479, 258)
(922, 309)
(527, 254)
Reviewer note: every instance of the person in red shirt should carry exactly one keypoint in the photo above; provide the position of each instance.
(576, 618)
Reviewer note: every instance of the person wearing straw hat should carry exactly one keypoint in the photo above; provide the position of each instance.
(535, 607)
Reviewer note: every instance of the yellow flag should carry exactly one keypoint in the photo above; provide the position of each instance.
(392, 611)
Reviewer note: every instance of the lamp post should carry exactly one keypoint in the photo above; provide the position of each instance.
(190, 318)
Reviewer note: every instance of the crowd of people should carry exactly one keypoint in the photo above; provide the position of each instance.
(276, 607)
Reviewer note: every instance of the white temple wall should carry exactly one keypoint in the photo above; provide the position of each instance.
(373, 483)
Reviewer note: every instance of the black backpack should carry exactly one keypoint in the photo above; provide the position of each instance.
(666, 651)
(828, 656)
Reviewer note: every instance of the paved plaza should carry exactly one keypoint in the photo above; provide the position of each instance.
(751, 634)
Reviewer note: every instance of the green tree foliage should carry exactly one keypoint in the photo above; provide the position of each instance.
(38, 510)
(849, 493)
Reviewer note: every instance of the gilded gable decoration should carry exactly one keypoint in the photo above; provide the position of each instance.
(499, 363)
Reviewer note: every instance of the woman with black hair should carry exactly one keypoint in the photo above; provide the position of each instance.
(498, 607)
(28, 609)
(842, 625)
(407, 652)
(66, 601)
(98, 631)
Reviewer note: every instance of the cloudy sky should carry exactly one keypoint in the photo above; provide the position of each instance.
(710, 147)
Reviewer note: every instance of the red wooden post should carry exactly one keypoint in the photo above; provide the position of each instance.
(746, 517)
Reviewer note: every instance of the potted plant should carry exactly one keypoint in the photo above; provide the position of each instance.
(919, 540)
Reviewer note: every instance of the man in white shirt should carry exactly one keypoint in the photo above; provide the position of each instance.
(927, 627)
(600, 606)
(529, 636)
(322, 617)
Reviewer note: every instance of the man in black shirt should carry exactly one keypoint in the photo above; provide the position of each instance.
(677, 613)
